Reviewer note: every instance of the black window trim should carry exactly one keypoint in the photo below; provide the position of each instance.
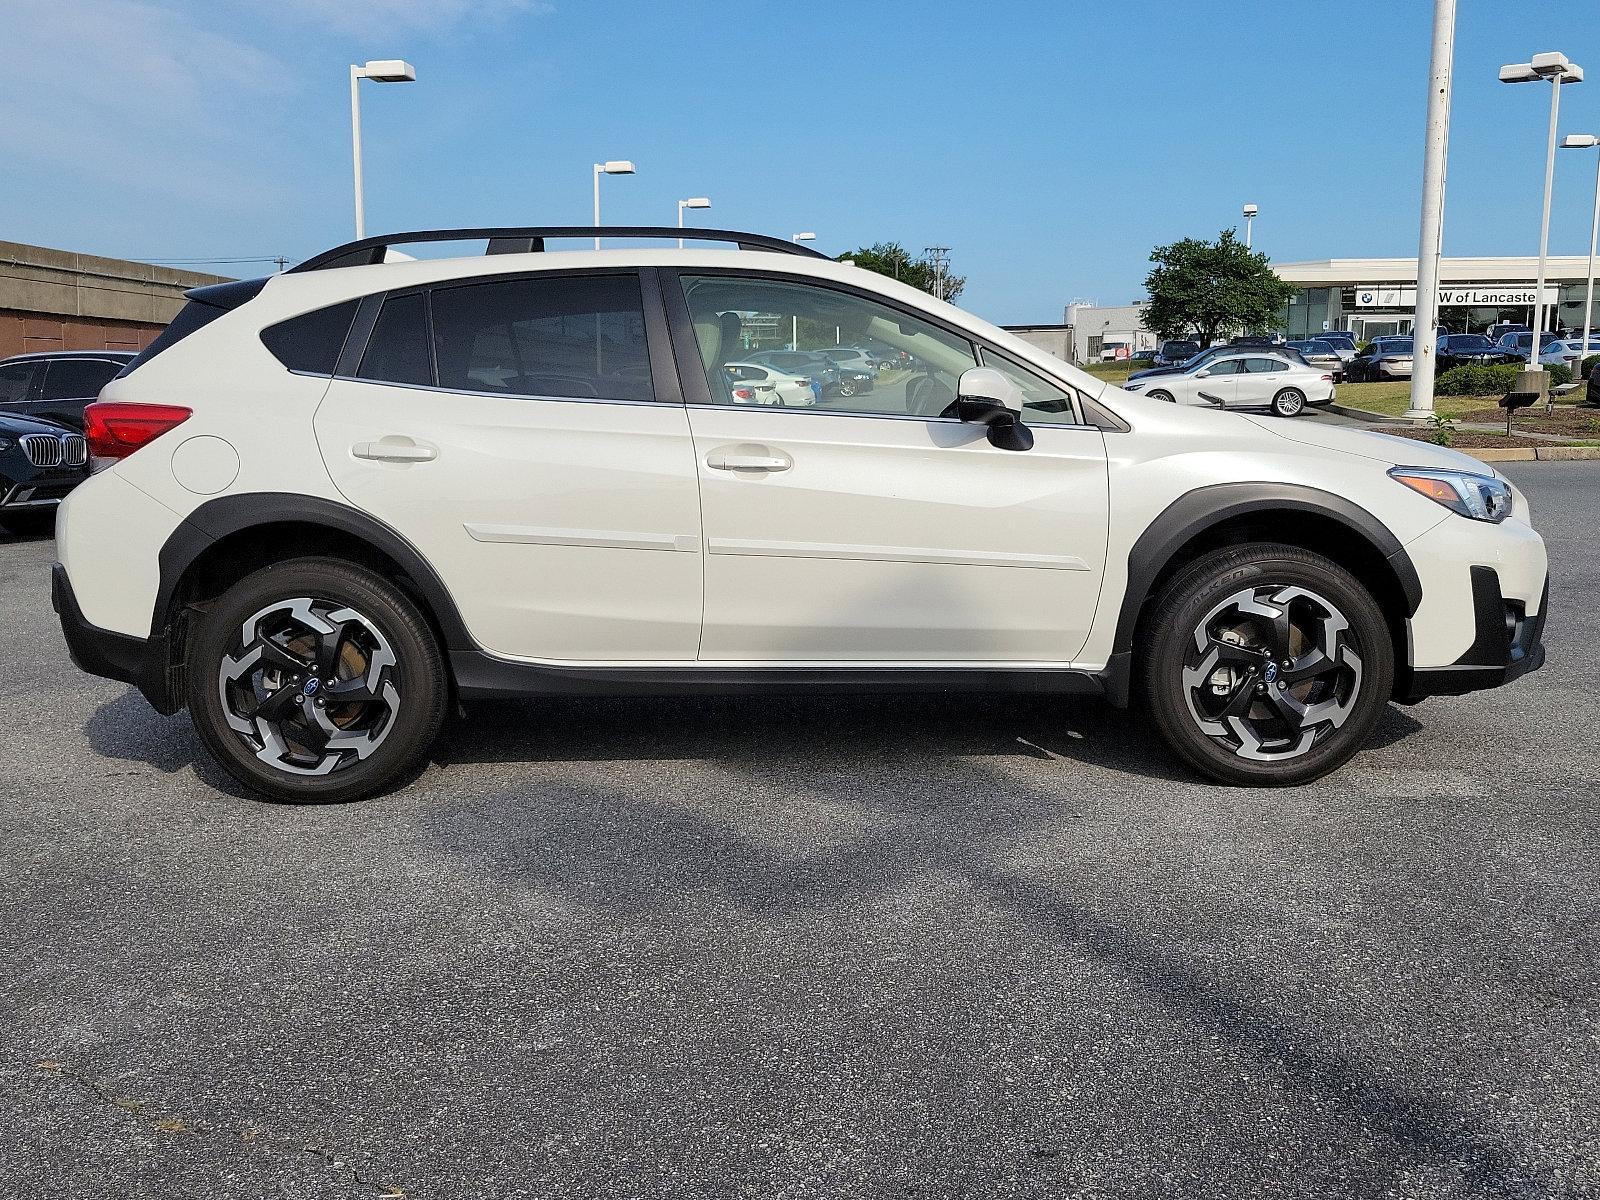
(698, 394)
(663, 378)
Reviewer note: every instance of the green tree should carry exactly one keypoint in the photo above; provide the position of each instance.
(894, 260)
(1209, 288)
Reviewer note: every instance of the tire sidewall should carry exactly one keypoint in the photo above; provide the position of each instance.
(1194, 593)
(418, 674)
(1277, 402)
(1164, 397)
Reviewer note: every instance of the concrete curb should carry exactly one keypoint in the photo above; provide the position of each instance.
(1534, 453)
(1361, 414)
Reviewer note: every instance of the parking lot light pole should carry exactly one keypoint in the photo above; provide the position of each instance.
(1250, 211)
(1557, 70)
(1435, 152)
(794, 321)
(1588, 141)
(692, 202)
(614, 166)
(379, 70)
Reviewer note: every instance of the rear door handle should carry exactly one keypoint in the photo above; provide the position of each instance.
(395, 449)
(748, 458)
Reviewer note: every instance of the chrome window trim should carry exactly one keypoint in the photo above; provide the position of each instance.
(427, 387)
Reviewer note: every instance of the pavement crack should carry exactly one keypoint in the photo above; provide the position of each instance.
(163, 1120)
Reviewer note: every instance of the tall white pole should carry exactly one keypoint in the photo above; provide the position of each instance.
(680, 222)
(1436, 148)
(1535, 362)
(355, 146)
(597, 169)
(1588, 295)
(1249, 230)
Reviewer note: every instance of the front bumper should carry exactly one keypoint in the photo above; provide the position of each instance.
(1509, 643)
(39, 489)
(139, 661)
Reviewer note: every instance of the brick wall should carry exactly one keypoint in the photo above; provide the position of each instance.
(25, 332)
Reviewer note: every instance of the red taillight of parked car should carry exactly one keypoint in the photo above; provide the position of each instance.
(116, 430)
(744, 394)
(1329, 378)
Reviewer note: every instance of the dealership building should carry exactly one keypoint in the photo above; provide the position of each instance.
(1372, 297)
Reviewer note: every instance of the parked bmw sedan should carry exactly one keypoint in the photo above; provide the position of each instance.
(1249, 380)
(1552, 351)
(1470, 349)
(54, 385)
(1324, 356)
(1386, 358)
(1283, 351)
(40, 462)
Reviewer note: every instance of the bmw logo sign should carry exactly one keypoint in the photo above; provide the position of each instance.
(1366, 297)
(311, 687)
(1272, 672)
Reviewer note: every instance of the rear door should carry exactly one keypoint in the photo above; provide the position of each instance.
(70, 384)
(526, 433)
(1259, 381)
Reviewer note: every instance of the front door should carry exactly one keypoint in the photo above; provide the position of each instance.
(529, 455)
(872, 529)
(1220, 387)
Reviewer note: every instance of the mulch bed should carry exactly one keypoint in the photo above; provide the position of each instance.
(1469, 439)
(1566, 420)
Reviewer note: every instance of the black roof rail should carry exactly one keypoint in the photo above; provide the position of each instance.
(514, 238)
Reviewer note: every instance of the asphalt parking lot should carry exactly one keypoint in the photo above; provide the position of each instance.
(934, 948)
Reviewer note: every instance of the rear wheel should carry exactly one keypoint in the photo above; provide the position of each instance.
(1290, 402)
(1265, 664)
(314, 681)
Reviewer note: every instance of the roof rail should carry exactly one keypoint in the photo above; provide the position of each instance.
(505, 239)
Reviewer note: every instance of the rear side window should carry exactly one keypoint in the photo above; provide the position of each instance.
(311, 342)
(205, 305)
(576, 336)
(15, 381)
(398, 350)
(78, 378)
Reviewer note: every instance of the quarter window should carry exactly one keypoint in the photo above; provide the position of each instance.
(15, 380)
(579, 337)
(311, 342)
(398, 350)
(1045, 402)
(792, 327)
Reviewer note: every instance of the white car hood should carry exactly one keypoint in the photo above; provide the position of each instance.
(1380, 447)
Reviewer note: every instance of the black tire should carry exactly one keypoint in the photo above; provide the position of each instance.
(30, 523)
(1290, 402)
(1158, 394)
(847, 389)
(383, 658)
(1241, 733)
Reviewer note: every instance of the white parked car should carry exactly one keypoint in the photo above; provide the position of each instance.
(342, 498)
(766, 385)
(1244, 380)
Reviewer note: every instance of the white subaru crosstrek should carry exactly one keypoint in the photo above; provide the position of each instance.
(344, 497)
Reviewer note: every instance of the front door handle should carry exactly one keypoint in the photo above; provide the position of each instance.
(748, 458)
(395, 449)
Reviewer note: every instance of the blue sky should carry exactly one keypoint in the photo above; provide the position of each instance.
(1051, 144)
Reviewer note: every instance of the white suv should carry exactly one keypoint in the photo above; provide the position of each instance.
(344, 497)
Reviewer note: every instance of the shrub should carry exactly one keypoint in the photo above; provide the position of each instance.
(1560, 374)
(1496, 380)
(1588, 365)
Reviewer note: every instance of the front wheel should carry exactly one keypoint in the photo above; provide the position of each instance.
(315, 681)
(1265, 664)
(1290, 402)
(1165, 397)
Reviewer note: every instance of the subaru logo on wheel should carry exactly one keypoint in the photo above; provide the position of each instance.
(311, 687)
(1272, 673)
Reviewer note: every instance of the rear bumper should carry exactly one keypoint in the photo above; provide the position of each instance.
(139, 661)
(1509, 644)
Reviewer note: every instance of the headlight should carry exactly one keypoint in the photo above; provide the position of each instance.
(6, 444)
(1479, 497)
(1132, 387)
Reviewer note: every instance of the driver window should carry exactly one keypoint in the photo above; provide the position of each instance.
(1227, 366)
(791, 327)
(1043, 403)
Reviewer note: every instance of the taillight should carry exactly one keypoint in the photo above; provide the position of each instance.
(116, 430)
(743, 393)
(1329, 378)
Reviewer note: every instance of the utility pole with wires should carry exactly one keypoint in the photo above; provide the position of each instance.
(939, 256)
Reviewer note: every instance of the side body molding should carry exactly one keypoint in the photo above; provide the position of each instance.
(1207, 507)
(217, 519)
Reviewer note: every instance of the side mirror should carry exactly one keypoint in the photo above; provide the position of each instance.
(1202, 374)
(986, 397)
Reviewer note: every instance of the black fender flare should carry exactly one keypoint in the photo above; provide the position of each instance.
(227, 515)
(1204, 508)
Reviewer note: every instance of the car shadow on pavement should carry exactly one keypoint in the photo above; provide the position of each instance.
(127, 729)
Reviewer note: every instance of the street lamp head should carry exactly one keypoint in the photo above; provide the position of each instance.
(1549, 63)
(696, 202)
(616, 166)
(388, 70)
(1250, 210)
(1579, 141)
(1518, 73)
(804, 237)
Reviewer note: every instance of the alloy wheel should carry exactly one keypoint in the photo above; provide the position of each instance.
(309, 686)
(1272, 670)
